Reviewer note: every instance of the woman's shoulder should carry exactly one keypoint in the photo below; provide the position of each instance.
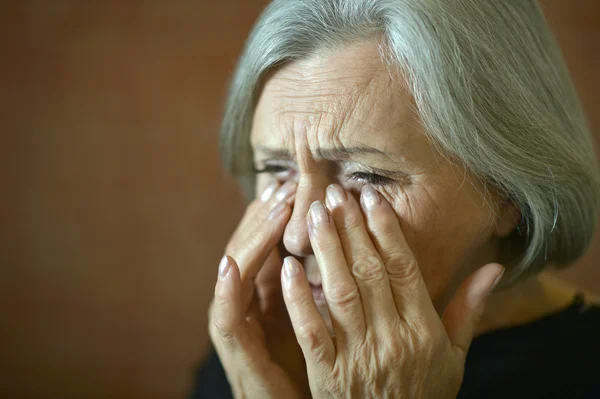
(555, 356)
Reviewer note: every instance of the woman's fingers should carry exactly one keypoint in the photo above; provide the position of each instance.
(254, 242)
(237, 326)
(362, 257)
(231, 322)
(339, 288)
(309, 327)
(256, 208)
(239, 341)
(227, 314)
(408, 288)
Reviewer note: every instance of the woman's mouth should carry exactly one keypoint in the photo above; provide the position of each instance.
(319, 298)
(317, 293)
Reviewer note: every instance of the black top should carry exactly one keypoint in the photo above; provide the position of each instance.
(555, 357)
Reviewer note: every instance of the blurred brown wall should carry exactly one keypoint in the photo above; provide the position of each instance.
(113, 208)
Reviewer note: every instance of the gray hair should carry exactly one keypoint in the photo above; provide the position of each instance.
(491, 88)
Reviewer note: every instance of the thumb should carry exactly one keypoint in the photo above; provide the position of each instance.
(466, 308)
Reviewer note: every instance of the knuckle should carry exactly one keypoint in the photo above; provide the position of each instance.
(352, 223)
(220, 300)
(257, 238)
(263, 209)
(386, 225)
(400, 257)
(368, 268)
(300, 299)
(252, 232)
(343, 294)
(222, 330)
(263, 235)
(428, 351)
(333, 384)
(428, 343)
(401, 265)
(213, 332)
(325, 243)
(312, 339)
(435, 338)
(395, 349)
(418, 324)
(427, 340)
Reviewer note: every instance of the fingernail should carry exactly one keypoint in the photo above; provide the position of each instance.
(268, 192)
(224, 267)
(291, 266)
(318, 213)
(370, 197)
(285, 191)
(497, 280)
(335, 196)
(278, 210)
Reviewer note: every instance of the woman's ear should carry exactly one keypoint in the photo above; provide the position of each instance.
(508, 219)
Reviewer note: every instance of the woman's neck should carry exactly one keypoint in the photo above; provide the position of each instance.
(525, 302)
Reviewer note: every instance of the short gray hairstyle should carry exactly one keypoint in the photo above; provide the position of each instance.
(491, 88)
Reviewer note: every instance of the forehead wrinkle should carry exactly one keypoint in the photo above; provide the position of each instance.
(284, 139)
(332, 154)
(306, 103)
(372, 106)
(350, 102)
(344, 145)
(341, 101)
(324, 84)
(319, 68)
(324, 78)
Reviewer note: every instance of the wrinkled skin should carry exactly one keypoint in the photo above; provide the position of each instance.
(404, 280)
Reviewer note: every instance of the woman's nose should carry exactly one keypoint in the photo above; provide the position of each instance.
(295, 236)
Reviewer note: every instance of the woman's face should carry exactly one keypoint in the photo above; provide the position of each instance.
(343, 117)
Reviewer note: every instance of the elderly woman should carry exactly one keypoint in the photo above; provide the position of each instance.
(416, 164)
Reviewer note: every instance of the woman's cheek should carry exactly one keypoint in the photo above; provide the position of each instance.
(417, 216)
(400, 200)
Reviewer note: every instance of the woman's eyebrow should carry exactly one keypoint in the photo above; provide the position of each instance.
(327, 153)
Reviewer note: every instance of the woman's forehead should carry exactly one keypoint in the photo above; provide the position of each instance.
(353, 71)
(348, 96)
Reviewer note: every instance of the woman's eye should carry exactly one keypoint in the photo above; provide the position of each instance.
(362, 177)
(271, 169)
(374, 179)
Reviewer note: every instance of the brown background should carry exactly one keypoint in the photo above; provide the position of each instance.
(113, 209)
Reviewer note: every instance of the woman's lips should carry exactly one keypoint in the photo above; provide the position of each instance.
(317, 293)
(319, 298)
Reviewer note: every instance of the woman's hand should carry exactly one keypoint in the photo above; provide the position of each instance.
(389, 341)
(245, 322)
